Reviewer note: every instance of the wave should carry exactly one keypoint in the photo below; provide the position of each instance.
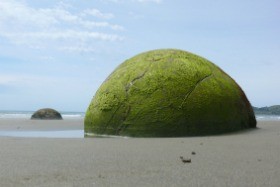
(268, 117)
(44, 134)
(72, 116)
(81, 115)
(12, 115)
(28, 114)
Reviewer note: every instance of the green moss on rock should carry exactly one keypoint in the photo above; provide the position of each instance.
(168, 93)
(46, 113)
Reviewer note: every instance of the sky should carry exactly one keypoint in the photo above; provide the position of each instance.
(57, 53)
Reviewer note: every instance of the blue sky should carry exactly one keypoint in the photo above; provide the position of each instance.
(57, 53)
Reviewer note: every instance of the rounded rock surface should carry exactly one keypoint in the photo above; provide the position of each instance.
(46, 113)
(168, 93)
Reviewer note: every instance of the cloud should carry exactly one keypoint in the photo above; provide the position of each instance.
(138, 1)
(44, 27)
(147, 1)
(25, 80)
(7, 79)
(11, 82)
(90, 24)
(8, 83)
(80, 49)
(66, 35)
(98, 13)
(47, 18)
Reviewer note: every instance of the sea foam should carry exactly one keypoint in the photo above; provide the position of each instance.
(28, 114)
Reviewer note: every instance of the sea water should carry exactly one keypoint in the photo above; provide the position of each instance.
(81, 115)
(28, 114)
(44, 134)
(70, 133)
(41, 134)
(268, 117)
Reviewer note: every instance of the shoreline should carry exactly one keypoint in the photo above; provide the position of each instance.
(41, 125)
(248, 158)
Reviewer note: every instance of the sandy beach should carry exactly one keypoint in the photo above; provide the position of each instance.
(248, 158)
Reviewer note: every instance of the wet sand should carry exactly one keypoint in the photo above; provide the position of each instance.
(40, 125)
(248, 158)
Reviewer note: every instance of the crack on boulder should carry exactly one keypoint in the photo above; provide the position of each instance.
(128, 86)
(193, 88)
(113, 115)
(123, 126)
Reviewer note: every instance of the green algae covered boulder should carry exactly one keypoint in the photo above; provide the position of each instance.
(46, 113)
(168, 93)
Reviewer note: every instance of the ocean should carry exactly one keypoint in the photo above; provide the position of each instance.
(43, 133)
(81, 115)
(260, 117)
(69, 133)
(28, 114)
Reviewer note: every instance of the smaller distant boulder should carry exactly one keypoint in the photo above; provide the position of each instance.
(46, 113)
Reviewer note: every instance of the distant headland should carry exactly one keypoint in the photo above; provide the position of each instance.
(272, 110)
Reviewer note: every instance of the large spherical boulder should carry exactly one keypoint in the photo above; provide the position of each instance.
(168, 93)
(46, 113)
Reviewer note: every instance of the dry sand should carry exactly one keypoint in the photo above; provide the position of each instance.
(250, 158)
